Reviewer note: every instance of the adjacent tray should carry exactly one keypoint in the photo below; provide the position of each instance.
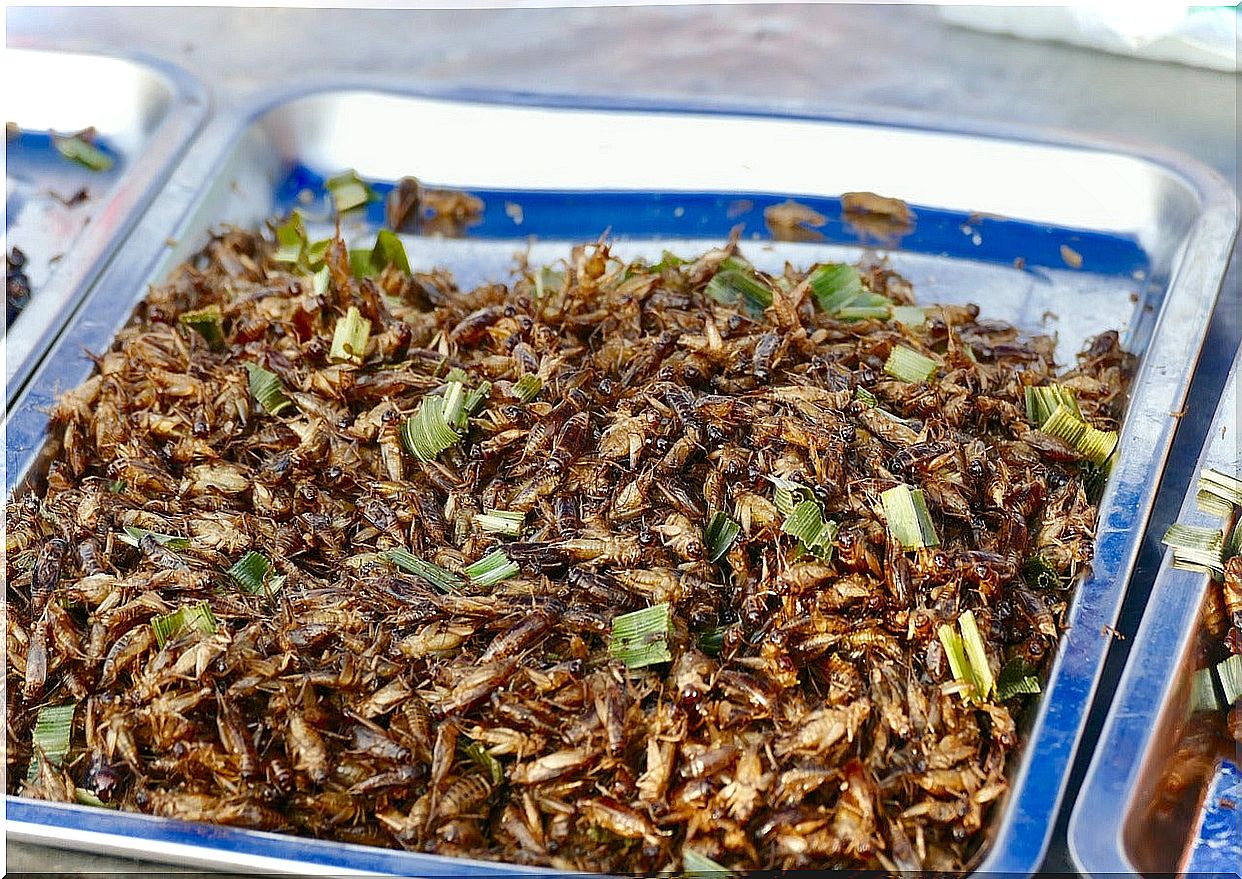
(145, 113)
(1111, 830)
(1000, 217)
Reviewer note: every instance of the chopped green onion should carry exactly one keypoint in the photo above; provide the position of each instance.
(1038, 574)
(719, 535)
(909, 315)
(189, 616)
(485, 761)
(388, 251)
(266, 389)
(445, 581)
(133, 535)
(349, 339)
(867, 398)
(806, 523)
(76, 149)
(1015, 679)
(1196, 548)
(909, 520)
(207, 322)
(727, 287)
(504, 522)
(491, 569)
(1042, 401)
(527, 387)
(1230, 674)
(641, 638)
(976, 654)
(291, 239)
(1094, 445)
(251, 571)
(695, 864)
(711, 642)
(1203, 692)
(349, 191)
(909, 365)
(53, 731)
(835, 286)
(430, 430)
(1219, 493)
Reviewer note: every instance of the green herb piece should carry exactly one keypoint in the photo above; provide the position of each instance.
(349, 191)
(788, 494)
(360, 263)
(1094, 478)
(506, 522)
(668, 260)
(909, 365)
(641, 638)
(548, 281)
(491, 569)
(445, 581)
(695, 864)
(251, 571)
(1218, 493)
(909, 315)
(976, 654)
(1094, 445)
(431, 429)
(291, 239)
(133, 535)
(864, 312)
(76, 149)
(736, 263)
(485, 761)
(867, 398)
(349, 338)
(1230, 674)
(321, 281)
(473, 402)
(1042, 401)
(1203, 692)
(457, 374)
(53, 731)
(1196, 548)
(835, 286)
(207, 322)
(711, 642)
(955, 653)
(1233, 543)
(527, 387)
(1038, 574)
(389, 251)
(84, 797)
(730, 286)
(909, 521)
(806, 523)
(719, 535)
(266, 389)
(1015, 679)
(188, 616)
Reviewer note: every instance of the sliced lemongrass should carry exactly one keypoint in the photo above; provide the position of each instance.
(731, 286)
(788, 494)
(349, 191)
(1219, 492)
(835, 286)
(291, 239)
(53, 733)
(955, 653)
(321, 281)
(527, 387)
(711, 642)
(266, 389)
(695, 864)
(1196, 548)
(1213, 504)
(349, 338)
(189, 616)
(445, 581)
(1043, 400)
(1038, 574)
(207, 322)
(668, 260)
(360, 263)
(909, 520)
(491, 569)
(132, 535)
(506, 522)
(1015, 679)
(472, 402)
(1230, 674)
(485, 761)
(867, 398)
(1203, 692)
(641, 638)
(909, 315)
(251, 571)
(865, 312)
(427, 432)
(547, 281)
(1094, 445)
(976, 654)
(719, 535)
(389, 251)
(909, 365)
(77, 149)
(1233, 542)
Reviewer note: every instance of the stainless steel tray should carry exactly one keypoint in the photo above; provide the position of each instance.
(1153, 232)
(145, 113)
(1109, 830)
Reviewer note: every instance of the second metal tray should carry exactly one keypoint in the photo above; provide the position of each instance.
(145, 112)
(1056, 236)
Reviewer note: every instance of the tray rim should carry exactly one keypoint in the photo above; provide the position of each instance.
(1026, 825)
(98, 243)
(1148, 682)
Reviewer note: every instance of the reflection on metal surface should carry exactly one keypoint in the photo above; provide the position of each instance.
(1154, 233)
(144, 113)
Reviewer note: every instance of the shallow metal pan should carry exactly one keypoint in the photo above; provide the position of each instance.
(145, 112)
(1153, 232)
(1110, 830)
